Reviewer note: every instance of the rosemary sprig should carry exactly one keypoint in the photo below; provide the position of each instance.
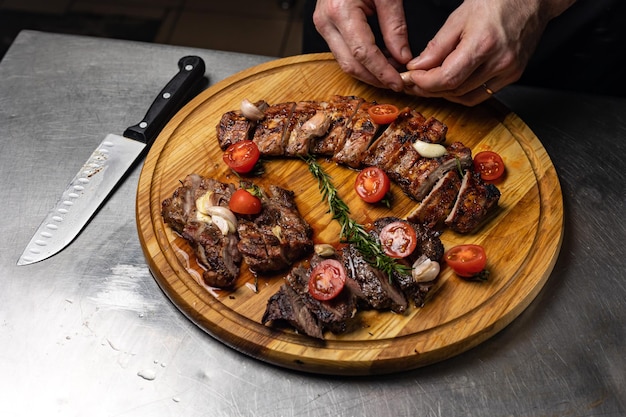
(351, 231)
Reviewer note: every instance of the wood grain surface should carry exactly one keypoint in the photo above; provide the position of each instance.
(522, 239)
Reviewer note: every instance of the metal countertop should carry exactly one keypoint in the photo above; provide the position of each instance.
(78, 331)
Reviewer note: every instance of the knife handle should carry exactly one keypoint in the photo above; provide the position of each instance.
(173, 96)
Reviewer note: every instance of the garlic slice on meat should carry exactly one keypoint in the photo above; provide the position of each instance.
(223, 218)
(429, 150)
(251, 111)
(424, 269)
(220, 216)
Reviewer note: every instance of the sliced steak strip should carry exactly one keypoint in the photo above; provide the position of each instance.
(309, 120)
(375, 287)
(360, 135)
(287, 306)
(341, 110)
(333, 315)
(216, 252)
(474, 203)
(436, 206)
(273, 240)
(270, 132)
(234, 126)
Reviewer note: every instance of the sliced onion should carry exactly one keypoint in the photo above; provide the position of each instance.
(429, 150)
(424, 269)
(226, 214)
(251, 111)
(224, 225)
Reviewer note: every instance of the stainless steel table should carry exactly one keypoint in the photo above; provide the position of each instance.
(89, 333)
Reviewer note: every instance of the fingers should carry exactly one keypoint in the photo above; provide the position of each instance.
(394, 29)
(345, 28)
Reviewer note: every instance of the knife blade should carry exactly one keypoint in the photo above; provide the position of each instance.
(108, 164)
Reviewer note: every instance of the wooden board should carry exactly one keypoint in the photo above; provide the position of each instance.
(522, 240)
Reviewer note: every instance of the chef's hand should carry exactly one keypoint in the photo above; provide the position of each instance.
(343, 24)
(483, 46)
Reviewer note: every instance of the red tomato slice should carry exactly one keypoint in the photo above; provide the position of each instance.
(372, 184)
(383, 114)
(398, 239)
(466, 260)
(489, 164)
(242, 156)
(242, 202)
(327, 280)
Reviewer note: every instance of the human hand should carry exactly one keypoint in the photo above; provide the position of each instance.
(483, 46)
(343, 24)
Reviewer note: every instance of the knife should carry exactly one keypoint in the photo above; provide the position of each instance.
(108, 164)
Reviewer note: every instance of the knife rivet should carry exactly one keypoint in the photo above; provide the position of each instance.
(143, 125)
(188, 67)
(167, 95)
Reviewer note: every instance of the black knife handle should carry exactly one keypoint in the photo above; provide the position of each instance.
(173, 96)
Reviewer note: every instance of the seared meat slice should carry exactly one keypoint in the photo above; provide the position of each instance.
(341, 110)
(474, 203)
(234, 126)
(375, 287)
(361, 134)
(333, 315)
(216, 252)
(286, 305)
(277, 237)
(428, 244)
(269, 134)
(308, 121)
(436, 206)
(434, 131)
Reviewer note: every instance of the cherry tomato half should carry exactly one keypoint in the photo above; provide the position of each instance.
(383, 114)
(327, 280)
(242, 156)
(466, 260)
(398, 239)
(489, 164)
(372, 184)
(242, 202)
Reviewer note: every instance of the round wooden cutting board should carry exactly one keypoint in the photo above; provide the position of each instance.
(522, 239)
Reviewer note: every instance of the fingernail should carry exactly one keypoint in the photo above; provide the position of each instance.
(405, 53)
(395, 87)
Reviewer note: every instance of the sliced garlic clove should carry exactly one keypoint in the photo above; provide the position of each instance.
(226, 214)
(324, 250)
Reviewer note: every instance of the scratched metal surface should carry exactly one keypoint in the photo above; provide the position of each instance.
(88, 332)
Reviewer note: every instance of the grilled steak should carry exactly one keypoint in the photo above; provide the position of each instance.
(428, 244)
(359, 138)
(269, 134)
(376, 290)
(341, 109)
(475, 201)
(286, 305)
(216, 252)
(436, 206)
(309, 120)
(234, 126)
(273, 240)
